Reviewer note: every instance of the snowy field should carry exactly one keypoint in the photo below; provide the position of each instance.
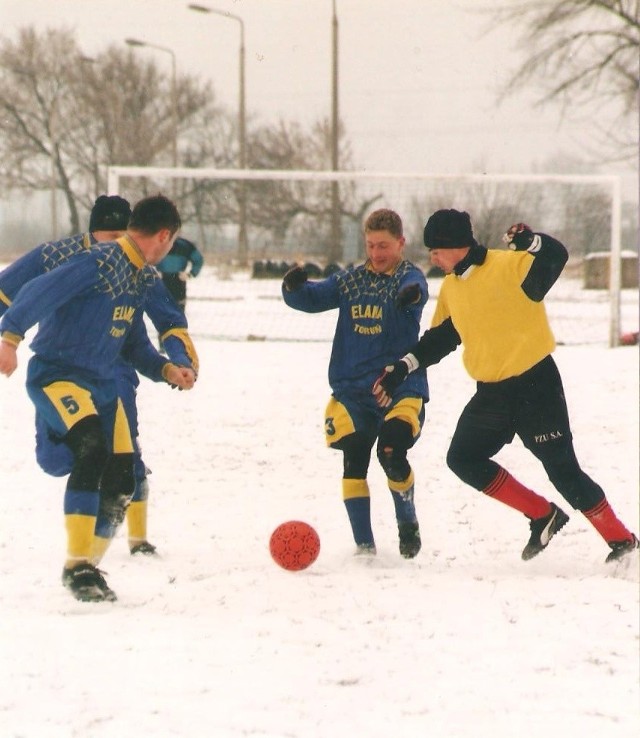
(212, 639)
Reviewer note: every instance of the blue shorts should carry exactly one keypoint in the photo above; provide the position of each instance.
(355, 414)
(62, 397)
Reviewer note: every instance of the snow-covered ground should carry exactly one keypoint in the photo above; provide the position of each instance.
(213, 639)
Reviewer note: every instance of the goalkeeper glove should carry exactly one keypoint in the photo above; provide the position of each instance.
(391, 378)
(519, 237)
(408, 295)
(295, 278)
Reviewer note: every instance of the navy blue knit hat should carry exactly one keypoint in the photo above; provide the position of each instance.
(110, 213)
(449, 229)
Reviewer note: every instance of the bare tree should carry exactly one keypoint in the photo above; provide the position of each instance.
(65, 117)
(581, 53)
(294, 209)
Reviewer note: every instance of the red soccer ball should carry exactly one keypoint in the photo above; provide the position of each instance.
(294, 545)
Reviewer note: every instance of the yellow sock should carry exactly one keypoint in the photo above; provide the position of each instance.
(137, 521)
(354, 488)
(80, 533)
(99, 549)
(403, 486)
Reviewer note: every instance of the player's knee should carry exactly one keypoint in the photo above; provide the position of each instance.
(465, 468)
(395, 439)
(119, 475)
(356, 450)
(141, 491)
(117, 488)
(89, 447)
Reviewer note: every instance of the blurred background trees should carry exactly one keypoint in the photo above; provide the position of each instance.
(579, 53)
(65, 117)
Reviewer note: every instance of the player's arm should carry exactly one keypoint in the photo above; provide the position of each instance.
(434, 345)
(143, 356)
(197, 261)
(37, 299)
(41, 296)
(550, 257)
(171, 324)
(18, 273)
(413, 291)
(309, 297)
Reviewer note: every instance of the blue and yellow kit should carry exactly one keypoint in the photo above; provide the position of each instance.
(167, 318)
(88, 312)
(148, 289)
(371, 331)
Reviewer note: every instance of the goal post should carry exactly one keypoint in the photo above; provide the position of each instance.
(455, 190)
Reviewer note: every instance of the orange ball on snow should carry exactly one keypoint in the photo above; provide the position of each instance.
(294, 545)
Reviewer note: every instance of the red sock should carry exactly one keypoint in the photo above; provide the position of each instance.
(508, 490)
(604, 520)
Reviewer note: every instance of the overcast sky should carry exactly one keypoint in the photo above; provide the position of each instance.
(418, 78)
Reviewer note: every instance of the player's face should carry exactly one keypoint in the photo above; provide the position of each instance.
(384, 250)
(162, 243)
(447, 259)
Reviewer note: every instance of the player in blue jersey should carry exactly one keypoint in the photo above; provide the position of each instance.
(491, 302)
(107, 221)
(183, 262)
(89, 311)
(379, 307)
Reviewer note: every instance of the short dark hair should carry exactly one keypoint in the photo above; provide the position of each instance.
(153, 213)
(384, 220)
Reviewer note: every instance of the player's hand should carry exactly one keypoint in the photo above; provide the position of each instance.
(184, 276)
(389, 381)
(408, 295)
(182, 377)
(8, 358)
(295, 278)
(519, 237)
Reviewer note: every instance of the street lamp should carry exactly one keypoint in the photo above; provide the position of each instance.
(335, 246)
(174, 95)
(242, 130)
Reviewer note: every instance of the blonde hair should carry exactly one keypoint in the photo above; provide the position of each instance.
(384, 220)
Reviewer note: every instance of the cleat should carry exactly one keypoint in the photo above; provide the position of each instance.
(86, 583)
(143, 547)
(543, 530)
(409, 537)
(619, 549)
(366, 549)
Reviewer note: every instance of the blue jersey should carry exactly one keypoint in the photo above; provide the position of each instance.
(183, 252)
(371, 331)
(88, 311)
(166, 316)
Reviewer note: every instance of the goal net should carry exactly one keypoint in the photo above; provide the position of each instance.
(252, 224)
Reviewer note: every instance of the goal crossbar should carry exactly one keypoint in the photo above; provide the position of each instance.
(613, 182)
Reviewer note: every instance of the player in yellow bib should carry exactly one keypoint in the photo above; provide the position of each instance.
(491, 302)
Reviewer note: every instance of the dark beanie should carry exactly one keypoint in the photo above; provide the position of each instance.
(449, 229)
(110, 213)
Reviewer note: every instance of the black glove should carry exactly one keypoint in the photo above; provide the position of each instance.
(295, 278)
(389, 381)
(408, 295)
(519, 237)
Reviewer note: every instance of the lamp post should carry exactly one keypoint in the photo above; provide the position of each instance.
(242, 130)
(54, 142)
(174, 95)
(335, 246)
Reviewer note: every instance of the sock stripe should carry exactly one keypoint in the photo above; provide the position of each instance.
(600, 507)
(494, 487)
